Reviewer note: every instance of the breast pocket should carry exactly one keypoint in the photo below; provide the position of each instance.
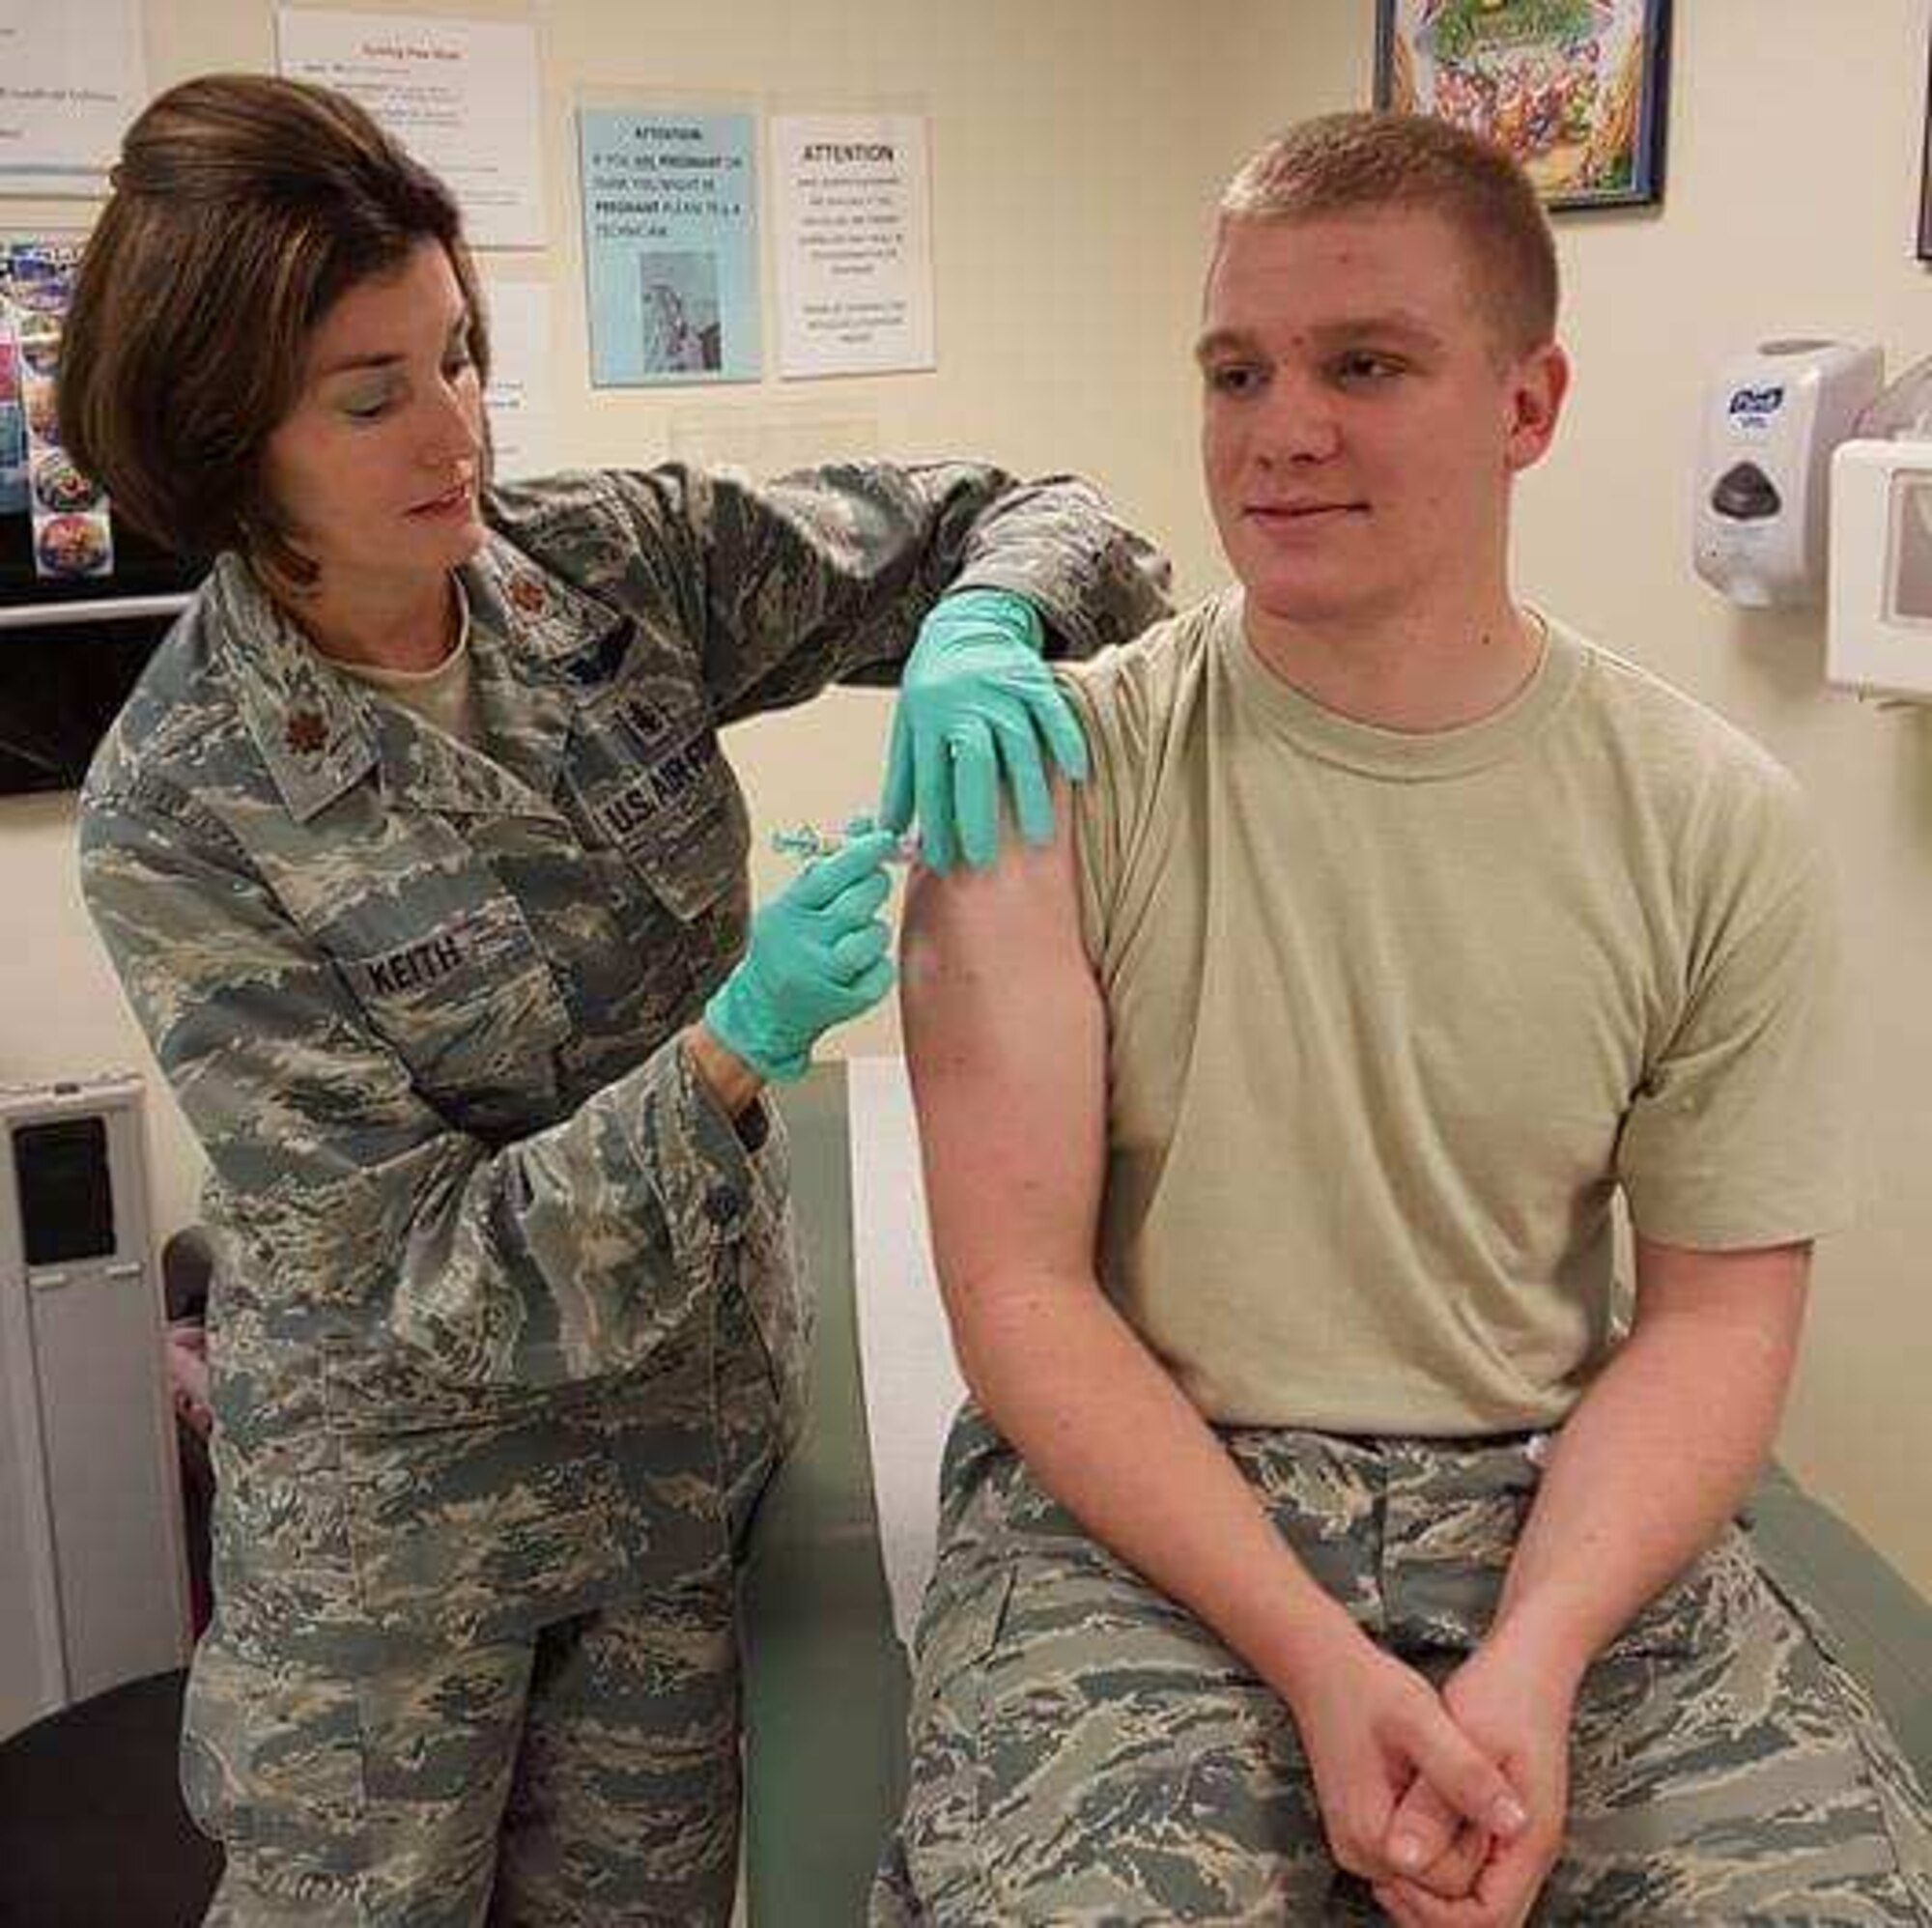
(653, 778)
(445, 965)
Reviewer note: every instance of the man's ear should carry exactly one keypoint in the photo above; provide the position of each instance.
(1538, 382)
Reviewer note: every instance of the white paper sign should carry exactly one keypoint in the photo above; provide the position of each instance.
(670, 244)
(853, 203)
(459, 94)
(71, 77)
(520, 398)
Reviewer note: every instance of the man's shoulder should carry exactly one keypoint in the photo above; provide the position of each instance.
(1712, 788)
(1626, 692)
(1135, 687)
(1678, 736)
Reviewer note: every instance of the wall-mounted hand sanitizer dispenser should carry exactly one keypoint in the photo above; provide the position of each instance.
(1879, 637)
(1770, 422)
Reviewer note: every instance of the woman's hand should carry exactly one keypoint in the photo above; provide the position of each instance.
(976, 700)
(817, 957)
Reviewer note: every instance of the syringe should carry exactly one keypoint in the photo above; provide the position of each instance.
(807, 843)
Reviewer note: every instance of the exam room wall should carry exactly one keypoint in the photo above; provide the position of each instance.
(1077, 146)
(1792, 183)
(1067, 145)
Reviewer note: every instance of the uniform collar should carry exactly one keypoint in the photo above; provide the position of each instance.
(316, 728)
(311, 725)
(543, 646)
(553, 622)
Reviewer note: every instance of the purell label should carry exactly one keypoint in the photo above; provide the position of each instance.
(1757, 400)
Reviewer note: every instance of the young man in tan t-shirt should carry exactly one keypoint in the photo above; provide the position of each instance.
(1311, 1550)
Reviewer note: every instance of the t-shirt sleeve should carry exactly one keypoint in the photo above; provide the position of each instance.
(1102, 804)
(1740, 1131)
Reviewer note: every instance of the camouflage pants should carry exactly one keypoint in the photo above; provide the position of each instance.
(542, 1731)
(1084, 1751)
(526, 1782)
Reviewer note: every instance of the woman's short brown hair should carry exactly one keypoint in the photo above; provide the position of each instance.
(1352, 163)
(242, 207)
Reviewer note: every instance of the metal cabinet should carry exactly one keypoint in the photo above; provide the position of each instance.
(93, 1582)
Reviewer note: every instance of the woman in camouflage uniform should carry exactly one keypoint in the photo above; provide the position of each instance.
(422, 869)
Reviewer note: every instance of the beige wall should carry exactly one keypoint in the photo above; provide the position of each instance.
(1077, 146)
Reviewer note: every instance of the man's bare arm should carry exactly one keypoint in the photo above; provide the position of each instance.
(1006, 1035)
(1659, 1452)
(1645, 1472)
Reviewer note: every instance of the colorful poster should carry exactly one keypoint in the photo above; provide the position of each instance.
(72, 534)
(71, 77)
(1574, 89)
(459, 94)
(518, 398)
(671, 246)
(853, 210)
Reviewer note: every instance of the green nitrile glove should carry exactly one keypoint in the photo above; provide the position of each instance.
(976, 698)
(817, 957)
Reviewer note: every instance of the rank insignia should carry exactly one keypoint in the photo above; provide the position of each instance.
(307, 733)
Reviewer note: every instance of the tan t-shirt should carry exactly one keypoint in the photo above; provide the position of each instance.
(443, 693)
(1391, 1017)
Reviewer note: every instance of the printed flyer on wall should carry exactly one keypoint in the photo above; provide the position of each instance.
(671, 246)
(459, 94)
(71, 77)
(853, 214)
(523, 430)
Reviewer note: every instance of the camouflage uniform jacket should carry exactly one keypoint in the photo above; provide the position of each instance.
(420, 1003)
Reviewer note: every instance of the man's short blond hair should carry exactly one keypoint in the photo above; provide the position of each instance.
(1355, 163)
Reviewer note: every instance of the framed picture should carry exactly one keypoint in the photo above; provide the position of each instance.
(1575, 89)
